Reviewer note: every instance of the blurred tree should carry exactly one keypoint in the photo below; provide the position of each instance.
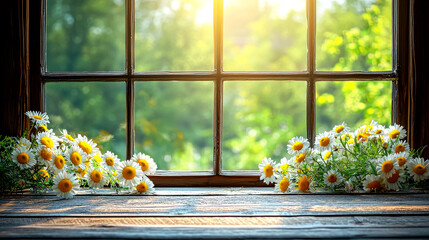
(174, 120)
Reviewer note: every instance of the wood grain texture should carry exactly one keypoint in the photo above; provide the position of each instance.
(215, 213)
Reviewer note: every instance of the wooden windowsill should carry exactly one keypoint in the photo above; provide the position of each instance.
(216, 213)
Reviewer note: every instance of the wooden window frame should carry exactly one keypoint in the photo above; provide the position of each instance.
(217, 176)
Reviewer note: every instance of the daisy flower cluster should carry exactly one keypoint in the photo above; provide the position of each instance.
(65, 163)
(372, 158)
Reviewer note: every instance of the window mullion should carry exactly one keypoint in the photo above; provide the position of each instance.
(129, 64)
(311, 68)
(218, 87)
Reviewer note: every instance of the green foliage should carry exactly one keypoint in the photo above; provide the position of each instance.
(14, 179)
(173, 122)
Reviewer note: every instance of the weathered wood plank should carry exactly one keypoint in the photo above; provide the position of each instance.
(136, 232)
(222, 205)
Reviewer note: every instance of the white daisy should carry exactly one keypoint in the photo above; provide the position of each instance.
(395, 131)
(386, 165)
(48, 139)
(266, 168)
(59, 162)
(38, 118)
(146, 186)
(372, 183)
(129, 174)
(66, 137)
(402, 158)
(148, 166)
(394, 182)
(65, 185)
(110, 161)
(377, 130)
(44, 155)
(341, 129)
(23, 157)
(297, 145)
(361, 134)
(324, 141)
(283, 185)
(332, 178)
(304, 157)
(401, 146)
(23, 142)
(87, 145)
(327, 155)
(303, 184)
(96, 177)
(418, 169)
(76, 156)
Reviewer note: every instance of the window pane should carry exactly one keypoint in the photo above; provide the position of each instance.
(356, 103)
(85, 35)
(174, 35)
(354, 35)
(259, 118)
(94, 109)
(174, 124)
(265, 35)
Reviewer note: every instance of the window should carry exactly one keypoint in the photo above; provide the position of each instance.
(208, 88)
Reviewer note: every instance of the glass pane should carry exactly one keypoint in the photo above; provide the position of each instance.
(354, 35)
(85, 35)
(174, 35)
(356, 103)
(174, 124)
(261, 35)
(259, 118)
(97, 110)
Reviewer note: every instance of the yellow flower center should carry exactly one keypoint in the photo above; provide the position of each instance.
(46, 154)
(37, 117)
(300, 157)
(85, 147)
(97, 159)
(394, 178)
(297, 146)
(76, 158)
(351, 141)
(284, 184)
(361, 137)
(110, 161)
(143, 164)
(65, 185)
(401, 161)
(59, 161)
(268, 170)
(339, 129)
(81, 172)
(303, 184)
(399, 148)
(324, 141)
(43, 173)
(23, 158)
(378, 131)
(332, 178)
(393, 134)
(374, 185)
(419, 169)
(387, 166)
(129, 172)
(47, 141)
(70, 138)
(44, 128)
(142, 187)
(327, 155)
(96, 176)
